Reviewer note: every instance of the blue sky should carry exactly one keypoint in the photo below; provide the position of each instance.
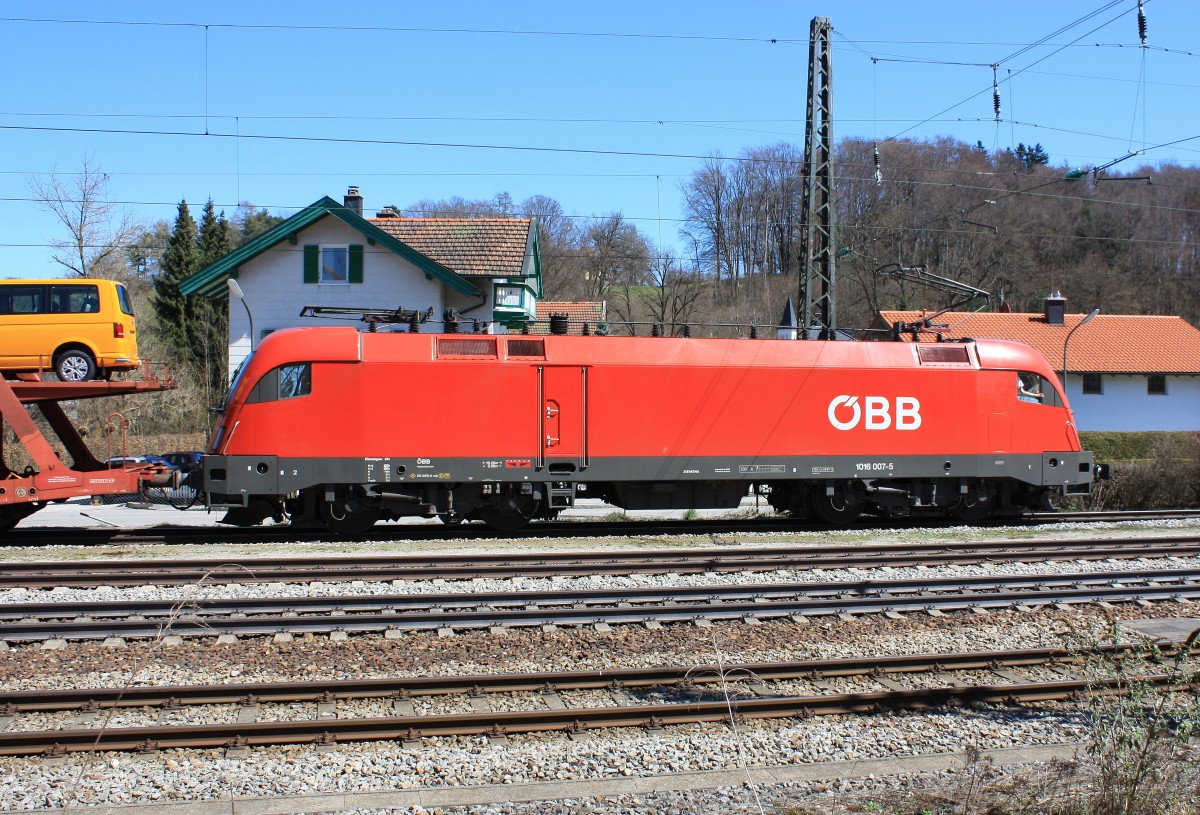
(428, 100)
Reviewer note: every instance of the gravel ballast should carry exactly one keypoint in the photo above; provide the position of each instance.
(603, 755)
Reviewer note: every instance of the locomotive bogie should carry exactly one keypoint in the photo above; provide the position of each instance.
(510, 429)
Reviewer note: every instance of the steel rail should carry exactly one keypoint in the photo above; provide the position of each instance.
(573, 720)
(541, 530)
(131, 572)
(41, 621)
(683, 677)
(439, 602)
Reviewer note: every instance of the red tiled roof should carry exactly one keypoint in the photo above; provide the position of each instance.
(1110, 343)
(578, 313)
(471, 247)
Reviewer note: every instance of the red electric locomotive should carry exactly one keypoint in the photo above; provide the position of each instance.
(342, 428)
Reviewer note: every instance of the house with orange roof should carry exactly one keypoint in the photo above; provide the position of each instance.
(1126, 372)
(582, 317)
(482, 273)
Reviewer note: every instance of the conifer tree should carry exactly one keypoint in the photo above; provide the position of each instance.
(180, 260)
(209, 324)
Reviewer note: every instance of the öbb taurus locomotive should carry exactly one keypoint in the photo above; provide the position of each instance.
(342, 428)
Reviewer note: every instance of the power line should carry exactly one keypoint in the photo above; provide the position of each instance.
(299, 138)
(1063, 30)
(1176, 51)
(412, 30)
(997, 193)
(1190, 245)
(346, 140)
(453, 145)
(1007, 79)
(360, 118)
(1024, 50)
(344, 173)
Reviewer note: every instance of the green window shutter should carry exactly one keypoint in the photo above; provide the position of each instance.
(312, 264)
(356, 263)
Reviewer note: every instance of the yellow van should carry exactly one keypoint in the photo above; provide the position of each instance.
(80, 328)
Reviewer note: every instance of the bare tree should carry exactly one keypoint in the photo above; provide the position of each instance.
(743, 215)
(673, 298)
(614, 254)
(706, 198)
(99, 231)
(562, 275)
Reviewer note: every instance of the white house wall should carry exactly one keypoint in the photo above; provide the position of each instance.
(273, 283)
(1124, 404)
(469, 307)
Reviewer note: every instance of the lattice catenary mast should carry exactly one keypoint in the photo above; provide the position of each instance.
(819, 290)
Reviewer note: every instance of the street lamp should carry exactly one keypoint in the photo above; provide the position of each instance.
(1084, 322)
(235, 291)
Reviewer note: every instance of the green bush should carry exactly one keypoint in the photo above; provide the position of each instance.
(1149, 470)
(1112, 447)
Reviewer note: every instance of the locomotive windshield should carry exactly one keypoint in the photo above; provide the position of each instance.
(234, 381)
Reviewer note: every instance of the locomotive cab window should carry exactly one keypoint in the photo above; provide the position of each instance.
(1037, 389)
(295, 380)
(285, 382)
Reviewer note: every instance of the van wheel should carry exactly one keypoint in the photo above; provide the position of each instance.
(75, 366)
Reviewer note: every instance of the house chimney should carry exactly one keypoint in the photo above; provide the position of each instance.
(354, 201)
(1056, 309)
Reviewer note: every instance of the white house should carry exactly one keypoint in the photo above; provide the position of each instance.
(1124, 372)
(329, 256)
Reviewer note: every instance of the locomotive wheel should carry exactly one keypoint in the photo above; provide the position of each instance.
(1042, 501)
(973, 507)
(510, 515)
(350, 514)
(839, 509)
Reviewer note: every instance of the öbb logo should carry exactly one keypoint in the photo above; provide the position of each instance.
(874, 412)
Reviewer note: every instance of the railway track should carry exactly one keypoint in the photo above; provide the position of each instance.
(444, 612)
(698, 693)
(49, 536)
(129, 572)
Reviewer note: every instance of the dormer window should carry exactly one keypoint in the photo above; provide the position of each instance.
(510, 296)
(513, 302)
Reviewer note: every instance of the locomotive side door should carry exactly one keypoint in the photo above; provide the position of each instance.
(562, 418)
